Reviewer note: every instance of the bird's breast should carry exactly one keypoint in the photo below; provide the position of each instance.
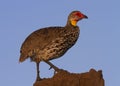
(60, 45)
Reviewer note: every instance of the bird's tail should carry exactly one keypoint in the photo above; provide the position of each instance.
(22, 58)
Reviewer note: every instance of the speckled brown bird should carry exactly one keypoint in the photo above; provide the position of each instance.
(51, 42)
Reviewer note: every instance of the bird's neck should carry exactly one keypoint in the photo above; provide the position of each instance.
(71, 24)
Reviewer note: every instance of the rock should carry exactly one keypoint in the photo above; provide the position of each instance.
(65, 78)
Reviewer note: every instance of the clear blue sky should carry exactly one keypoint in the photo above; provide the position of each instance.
(98, 46)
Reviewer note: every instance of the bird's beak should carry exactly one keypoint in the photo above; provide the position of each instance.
(84, 16)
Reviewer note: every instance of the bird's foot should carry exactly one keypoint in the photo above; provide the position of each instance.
(38, 79)
(57, 70)
(54, 67)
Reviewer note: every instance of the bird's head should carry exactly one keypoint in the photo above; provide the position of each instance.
(75, 16)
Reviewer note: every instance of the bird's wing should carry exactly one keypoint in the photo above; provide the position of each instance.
(40, 38)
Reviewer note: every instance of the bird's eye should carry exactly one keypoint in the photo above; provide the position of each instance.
(77, 14)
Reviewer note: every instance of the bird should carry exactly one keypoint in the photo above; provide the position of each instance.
(52, 42)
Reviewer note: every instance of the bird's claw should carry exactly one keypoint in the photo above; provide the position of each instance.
(38, 79)
(53, 66)
(50, 68)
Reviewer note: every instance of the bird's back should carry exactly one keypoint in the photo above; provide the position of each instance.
(48, 43)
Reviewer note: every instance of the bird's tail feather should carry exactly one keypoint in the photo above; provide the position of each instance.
(22, 58)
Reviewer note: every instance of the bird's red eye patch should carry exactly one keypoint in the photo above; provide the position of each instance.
(78, 14)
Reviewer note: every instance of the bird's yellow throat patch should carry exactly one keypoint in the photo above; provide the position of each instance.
(73, 22)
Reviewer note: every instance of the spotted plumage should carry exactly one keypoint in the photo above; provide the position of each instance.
(51, 42)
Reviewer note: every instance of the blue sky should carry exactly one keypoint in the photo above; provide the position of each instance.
(98, 46)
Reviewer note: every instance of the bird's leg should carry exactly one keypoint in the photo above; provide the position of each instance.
(38, 76)
(53, 66)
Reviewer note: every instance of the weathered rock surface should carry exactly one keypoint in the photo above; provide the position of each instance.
(64, 78)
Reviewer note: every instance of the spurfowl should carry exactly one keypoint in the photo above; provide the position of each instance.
(51, 42)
